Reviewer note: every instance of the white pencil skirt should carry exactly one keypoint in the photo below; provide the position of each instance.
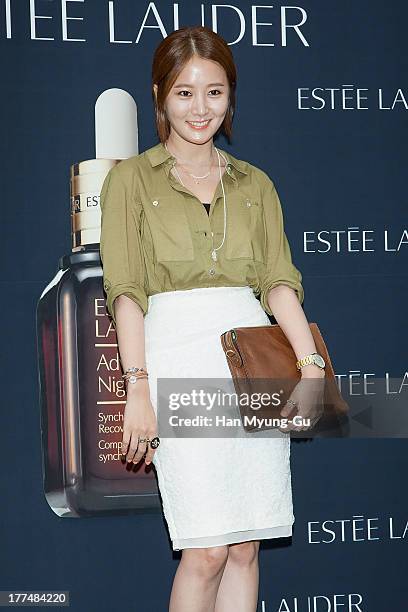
(213, 491)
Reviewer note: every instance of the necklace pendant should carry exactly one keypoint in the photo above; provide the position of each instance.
(214, 255)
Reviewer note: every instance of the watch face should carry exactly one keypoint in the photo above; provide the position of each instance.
(318, 359)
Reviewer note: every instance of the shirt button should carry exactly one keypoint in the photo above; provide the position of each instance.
(229, 169)
(211, 271)
(248, 203)
(155, 202)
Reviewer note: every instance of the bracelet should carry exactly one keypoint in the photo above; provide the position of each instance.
(132, 374)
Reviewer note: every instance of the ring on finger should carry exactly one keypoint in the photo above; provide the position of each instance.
(155, 442)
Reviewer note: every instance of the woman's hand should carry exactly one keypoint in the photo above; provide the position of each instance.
(309, 398)
(139, 422)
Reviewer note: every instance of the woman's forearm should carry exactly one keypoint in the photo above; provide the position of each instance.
(290, 316)
(131, 339)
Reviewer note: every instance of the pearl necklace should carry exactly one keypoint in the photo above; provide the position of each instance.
(214, 251)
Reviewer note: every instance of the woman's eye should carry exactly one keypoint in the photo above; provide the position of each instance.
(185, 91)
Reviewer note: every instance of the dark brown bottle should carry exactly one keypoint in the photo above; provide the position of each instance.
(82, 395)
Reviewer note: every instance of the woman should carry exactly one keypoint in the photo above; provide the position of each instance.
(191, 236)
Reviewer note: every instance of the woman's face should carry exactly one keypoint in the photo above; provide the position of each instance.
(199, 94)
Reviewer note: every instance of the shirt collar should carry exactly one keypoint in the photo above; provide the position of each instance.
(158, 154)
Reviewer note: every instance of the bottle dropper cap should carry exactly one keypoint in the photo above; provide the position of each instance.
(116, 138)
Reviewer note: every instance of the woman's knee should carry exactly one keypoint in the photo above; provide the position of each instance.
(206, 561)
(244, 553)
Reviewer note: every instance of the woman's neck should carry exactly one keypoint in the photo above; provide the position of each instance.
(190, 154)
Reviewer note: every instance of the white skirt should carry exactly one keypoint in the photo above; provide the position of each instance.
(213, 491)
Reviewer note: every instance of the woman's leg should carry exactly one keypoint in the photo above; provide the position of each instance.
(197, 579)
(238, 590)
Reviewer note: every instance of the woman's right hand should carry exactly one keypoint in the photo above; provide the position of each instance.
(139, 422)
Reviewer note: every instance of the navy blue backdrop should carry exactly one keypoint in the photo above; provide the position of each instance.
(324, 113)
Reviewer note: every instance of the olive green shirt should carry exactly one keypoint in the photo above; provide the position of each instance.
(157, 236)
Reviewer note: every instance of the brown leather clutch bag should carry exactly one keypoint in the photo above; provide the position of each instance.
(264, 352)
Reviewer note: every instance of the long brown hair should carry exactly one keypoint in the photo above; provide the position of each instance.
(169, 60)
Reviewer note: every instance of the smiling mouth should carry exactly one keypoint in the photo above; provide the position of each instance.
(199, 124)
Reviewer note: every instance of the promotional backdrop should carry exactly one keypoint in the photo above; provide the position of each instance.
(322, 108)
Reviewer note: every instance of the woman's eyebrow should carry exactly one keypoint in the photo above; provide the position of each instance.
(191, 86)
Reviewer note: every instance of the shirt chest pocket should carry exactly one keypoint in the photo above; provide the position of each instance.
(169, 229)
(246, 230)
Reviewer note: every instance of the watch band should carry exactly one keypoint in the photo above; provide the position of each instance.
(313, 358)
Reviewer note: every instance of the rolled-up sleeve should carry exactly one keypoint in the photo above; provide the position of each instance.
(120, 244)
(280, 269)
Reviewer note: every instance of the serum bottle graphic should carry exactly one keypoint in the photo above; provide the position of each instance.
(82, 393)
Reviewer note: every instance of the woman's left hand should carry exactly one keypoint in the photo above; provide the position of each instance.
(308, 396)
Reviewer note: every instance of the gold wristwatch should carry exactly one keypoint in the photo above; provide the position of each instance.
(312, 358)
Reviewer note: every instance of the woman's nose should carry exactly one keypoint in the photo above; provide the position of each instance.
(199, 105)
